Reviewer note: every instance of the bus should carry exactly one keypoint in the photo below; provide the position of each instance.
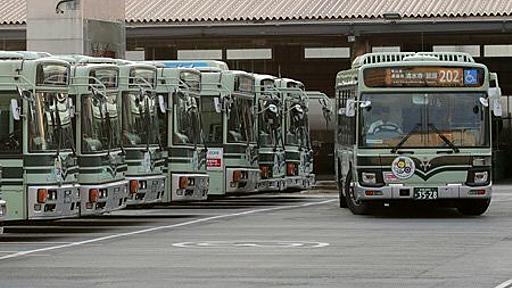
(101, 158)
(295, 127)
(39, 173)
(141, 133)
(179, 91)
(414, 126)
(271, 156)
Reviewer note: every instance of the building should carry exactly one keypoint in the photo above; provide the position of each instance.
(310, 40)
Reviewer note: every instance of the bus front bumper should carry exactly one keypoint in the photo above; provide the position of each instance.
(53, 201)
(148, 189)
(103, 198)
(245, 182)
(401, 191)
(189, 187)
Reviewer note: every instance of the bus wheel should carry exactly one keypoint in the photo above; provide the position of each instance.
(357, 207)
(473, 207)
(343, 200)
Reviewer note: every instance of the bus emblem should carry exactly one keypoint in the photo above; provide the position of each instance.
(403, 167)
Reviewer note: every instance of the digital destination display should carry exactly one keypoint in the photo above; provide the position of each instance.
(52, 74)
(140, 75)
(424, 76)
(106, 76)
(244, 84)
(193, 80)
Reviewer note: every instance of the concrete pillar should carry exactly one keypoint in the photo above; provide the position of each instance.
(90, 27)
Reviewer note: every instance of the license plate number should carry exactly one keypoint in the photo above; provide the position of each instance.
(425, 193)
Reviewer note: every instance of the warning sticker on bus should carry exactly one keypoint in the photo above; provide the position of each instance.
(214, 159)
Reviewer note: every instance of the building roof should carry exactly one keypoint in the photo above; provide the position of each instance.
(191, 11)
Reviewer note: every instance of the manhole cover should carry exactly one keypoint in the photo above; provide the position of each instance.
(251, 244)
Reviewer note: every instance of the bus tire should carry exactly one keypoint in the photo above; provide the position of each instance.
(355, 206)
(473, 207)
(342, 199)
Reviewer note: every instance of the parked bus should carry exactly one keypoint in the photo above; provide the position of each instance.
(95, 90)
(298, 151)
(141, 133)
(179, 92)
(39, 167)
(414, 126)
(271, 155)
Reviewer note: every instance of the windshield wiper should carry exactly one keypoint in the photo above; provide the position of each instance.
(402, 142)
(446, 140)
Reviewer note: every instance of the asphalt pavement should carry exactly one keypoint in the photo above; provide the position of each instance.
(265, 240)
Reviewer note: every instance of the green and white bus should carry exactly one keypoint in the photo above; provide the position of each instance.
(271, 156)
(179, 90)
(414, 126)
(103, 186)
(296, 130)
(141, 133)
(39, 178)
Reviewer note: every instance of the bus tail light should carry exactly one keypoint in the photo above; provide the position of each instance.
(93, 195)
(290, 169)
(134, 186)
(42, 195)
(183, 182)
(264, 171)
(237, 176)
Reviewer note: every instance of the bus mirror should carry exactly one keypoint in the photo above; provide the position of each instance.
(341, 111)
(497, 109)
(161, 104)
(217, 104)
(365, 104)
(15, 110)
(24, 94)
(484, 101)
(71, 107)
(273, 108)
(350, 111)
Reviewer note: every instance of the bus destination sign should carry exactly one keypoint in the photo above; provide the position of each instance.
(424, 77)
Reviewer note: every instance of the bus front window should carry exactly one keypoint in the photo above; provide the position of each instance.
(296, 124)
(424, 120)
(241, 121)
(50, 122)
(187, 127)
(211, 121)
(269, 123)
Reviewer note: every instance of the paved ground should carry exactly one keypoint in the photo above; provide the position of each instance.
(269, 240)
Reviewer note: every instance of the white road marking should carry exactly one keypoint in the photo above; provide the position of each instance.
(273, 244)
(506, 284)
(34, 243)
(202, 220)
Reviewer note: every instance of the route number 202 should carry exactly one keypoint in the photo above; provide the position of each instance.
(450, 76)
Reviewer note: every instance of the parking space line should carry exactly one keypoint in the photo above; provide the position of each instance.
(197, 221)
(506, 284)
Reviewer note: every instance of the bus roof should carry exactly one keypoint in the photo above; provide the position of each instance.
(389, 57)
(195, 64)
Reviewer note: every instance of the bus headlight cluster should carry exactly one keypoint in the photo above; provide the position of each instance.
(481, 177)
(369, 178)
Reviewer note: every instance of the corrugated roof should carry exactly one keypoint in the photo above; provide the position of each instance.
(143, 11)
(272, 10)
(13, 12)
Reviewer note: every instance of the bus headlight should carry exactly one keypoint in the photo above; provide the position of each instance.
(369, 178)
(481, 177)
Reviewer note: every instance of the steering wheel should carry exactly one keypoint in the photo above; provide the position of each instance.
(387, 127)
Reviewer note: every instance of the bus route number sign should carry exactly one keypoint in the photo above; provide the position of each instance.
(427, 76)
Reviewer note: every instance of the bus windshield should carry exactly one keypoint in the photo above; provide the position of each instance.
(140, 119)
(100, 123)
(187, 122)
(211, 121)
(50, 125)
(296, 127)
(423, 120)
(241, 121)
(269, 123)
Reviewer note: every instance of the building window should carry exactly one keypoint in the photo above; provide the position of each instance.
(324, 53)
(473, 50)
(135, 55)
(249, 54)
(380, 49)
(199, 54)
(498, 51)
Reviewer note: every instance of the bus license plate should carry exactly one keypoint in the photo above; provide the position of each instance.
(425, 193)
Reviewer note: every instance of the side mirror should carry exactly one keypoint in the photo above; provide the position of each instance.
(217, 104)
(15, 110)
(484, 101)
(24, 94)
(273, 108)
(365, 104)
(350, 111)
(161, 104)
(497, 108)
(341, 112)
(71, 107)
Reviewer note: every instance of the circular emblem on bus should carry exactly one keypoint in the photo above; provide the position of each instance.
(403, 167)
